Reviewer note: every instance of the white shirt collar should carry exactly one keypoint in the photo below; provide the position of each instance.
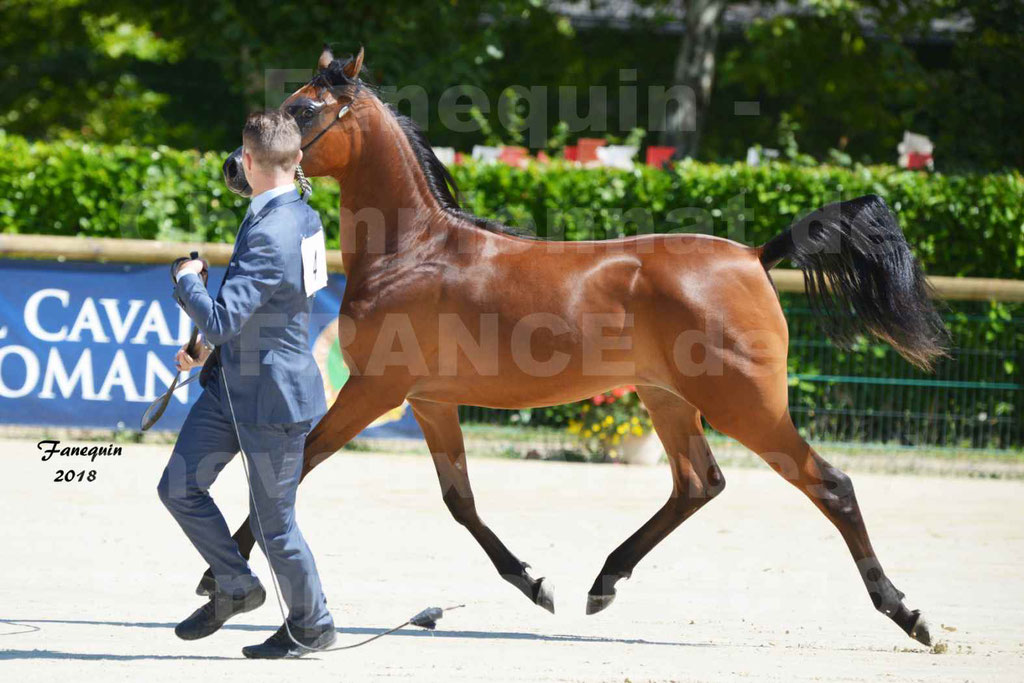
(261, 200)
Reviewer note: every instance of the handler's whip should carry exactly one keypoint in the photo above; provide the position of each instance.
(156, 409)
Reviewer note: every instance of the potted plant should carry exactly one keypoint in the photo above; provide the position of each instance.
(614, 426)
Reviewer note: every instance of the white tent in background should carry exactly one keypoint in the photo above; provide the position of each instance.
(617, 156)
(486, 154)
(446, 155)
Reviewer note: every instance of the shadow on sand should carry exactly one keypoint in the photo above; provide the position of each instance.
(31, 625)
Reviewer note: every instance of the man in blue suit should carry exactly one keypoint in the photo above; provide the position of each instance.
(262, 395)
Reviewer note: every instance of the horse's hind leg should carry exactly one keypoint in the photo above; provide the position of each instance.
(440, 425)
(777, 441)
(361, 401)
(696, 479)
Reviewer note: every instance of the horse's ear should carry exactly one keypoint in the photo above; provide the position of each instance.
(355, 65)
(326, 57)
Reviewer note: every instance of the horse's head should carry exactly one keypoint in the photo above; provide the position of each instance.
(322, 109)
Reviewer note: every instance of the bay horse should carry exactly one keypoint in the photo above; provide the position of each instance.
(539, 323)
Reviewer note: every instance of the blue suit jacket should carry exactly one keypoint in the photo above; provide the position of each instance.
(260, 318)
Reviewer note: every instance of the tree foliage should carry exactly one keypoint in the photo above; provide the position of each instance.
(846, 75)
(855, 74)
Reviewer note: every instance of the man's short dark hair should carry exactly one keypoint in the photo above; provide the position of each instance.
(272, 138)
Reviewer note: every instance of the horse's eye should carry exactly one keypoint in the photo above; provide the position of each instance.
(308, 112)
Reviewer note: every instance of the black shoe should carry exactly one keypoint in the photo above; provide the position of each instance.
(207, 584)
(281, 646)
(210, 617)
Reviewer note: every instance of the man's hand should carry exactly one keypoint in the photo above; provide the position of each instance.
(195, 267)
(185, 362)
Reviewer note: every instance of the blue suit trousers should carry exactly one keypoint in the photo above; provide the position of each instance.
(206, 443)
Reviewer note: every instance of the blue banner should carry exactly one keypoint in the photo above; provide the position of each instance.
(93, 344)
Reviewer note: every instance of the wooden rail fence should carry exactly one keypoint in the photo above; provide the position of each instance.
(102, 249)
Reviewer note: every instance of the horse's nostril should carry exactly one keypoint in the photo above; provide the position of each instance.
(233, 172)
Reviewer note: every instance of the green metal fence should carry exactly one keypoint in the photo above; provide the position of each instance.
(974, 399)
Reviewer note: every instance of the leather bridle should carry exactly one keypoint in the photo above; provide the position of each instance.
(306, 189)
(341, 112)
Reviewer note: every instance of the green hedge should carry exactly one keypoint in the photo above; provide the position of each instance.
(959, 225)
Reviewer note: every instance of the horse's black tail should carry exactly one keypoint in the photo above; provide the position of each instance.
(861, 276)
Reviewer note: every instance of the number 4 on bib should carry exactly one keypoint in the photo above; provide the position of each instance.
(314, 263)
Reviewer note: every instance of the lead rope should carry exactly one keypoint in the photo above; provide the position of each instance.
(426, 619)
(27, 628)
(305, 187)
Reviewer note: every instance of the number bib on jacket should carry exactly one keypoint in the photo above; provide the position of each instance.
(314, 263)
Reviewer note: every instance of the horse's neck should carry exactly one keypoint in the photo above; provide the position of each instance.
(386, 203)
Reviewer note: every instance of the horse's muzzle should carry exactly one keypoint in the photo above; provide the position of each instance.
(234, 176)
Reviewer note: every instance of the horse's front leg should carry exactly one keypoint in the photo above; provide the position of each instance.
(440, 425)
(361, 401)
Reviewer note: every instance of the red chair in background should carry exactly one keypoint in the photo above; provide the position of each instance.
(659, 155)
(588, 149)
(514, 156)
(916, 151)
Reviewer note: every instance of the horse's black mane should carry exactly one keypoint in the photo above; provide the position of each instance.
(439, 179)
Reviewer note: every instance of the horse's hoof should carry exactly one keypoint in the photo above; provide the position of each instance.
(919, 631)
(207, 585)
(546, 595)
(596, 603)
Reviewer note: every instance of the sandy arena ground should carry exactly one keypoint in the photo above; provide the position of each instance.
(757, 586)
